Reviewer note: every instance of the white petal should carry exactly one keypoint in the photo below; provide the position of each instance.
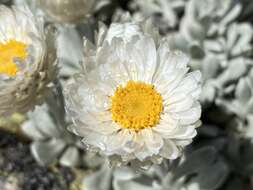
(170, 129)
(142, 59)
(94, 139)
(190, 85)
(153, 140)
(105, 128)
(124, 31)
(142, 153)
(113, 64)
(169, 150)
(169, 63)
(116, 142)
(189, 116)
(179, 106)
(183, 142)
(166, 126)
(169, 82)
(183, 132)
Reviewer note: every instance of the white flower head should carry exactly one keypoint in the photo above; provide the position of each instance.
(135, 101)
(70, 11)
(26, 60)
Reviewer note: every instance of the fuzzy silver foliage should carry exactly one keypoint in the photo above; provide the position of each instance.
(189, 174)
(163, 12)
(52, 142)
(220, 47)
(69, 51)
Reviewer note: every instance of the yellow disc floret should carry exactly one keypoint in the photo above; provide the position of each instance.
(8, 52)
(137, 105)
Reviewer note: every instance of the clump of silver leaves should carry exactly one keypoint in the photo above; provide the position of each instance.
(216, 35)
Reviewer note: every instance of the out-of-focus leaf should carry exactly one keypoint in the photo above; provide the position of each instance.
(70, 157)
(46, 152)
(100, 180)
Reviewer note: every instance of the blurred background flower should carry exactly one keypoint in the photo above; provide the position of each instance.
(27, 60)
(70, 11)
(47, 127)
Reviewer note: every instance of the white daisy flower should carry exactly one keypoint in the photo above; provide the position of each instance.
(26, 60)
(135, 101)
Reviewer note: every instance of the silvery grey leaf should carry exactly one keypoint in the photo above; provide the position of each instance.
(231, 107)
(45, 152)
(208, 93)
(243, 91)
(192, 30)
(193, 186)
(70, 50)
(123, 180)
(93, 160)
(101, 4)
(70, 157)
(214, 45)
(196, 162)
(46, 125)
(177, 41)
(239, 38)
(194, 49)
(228, 89)
(233, 71)
(232, 14)
(100, 180)
(210, 67)
(250, 75)
(212, 180)
(41, 122)
(126, 185)
(125, 173)
(202, 163)
(162, 12)
(168, 182)
(207, 18)
(242, 104)
(225, 13)
(249, 107)
(32, 131)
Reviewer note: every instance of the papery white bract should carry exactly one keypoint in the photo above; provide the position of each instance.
(135, 102)
(26, 60)
(69, 11)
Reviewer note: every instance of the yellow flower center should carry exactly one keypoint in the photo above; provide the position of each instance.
(8, 52)
(136, 106)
